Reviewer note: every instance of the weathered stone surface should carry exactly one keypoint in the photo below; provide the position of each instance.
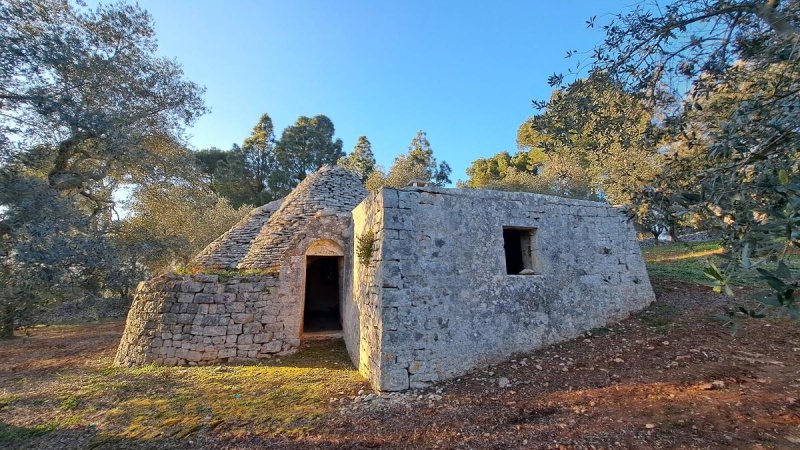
(206, 327)
(432, 301)
(262, 314)
(436, 300)
(317, 198)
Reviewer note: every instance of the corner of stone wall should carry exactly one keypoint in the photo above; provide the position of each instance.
(368, 286)
(395, 372)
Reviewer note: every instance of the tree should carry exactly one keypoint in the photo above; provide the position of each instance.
(360, 160)
(85, 107)
(210, 162)
(417, 164)
(724, 77)
(303, 148)
(600, 134)
(260, 159)
(48, 251)
(169, 224)
(227, 174)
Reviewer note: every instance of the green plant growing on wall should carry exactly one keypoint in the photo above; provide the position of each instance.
(365, 246)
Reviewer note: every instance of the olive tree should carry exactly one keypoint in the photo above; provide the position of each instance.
(724, 79)
(86, 106)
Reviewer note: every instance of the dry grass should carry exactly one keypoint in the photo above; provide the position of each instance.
(58, 389)
(286, 397)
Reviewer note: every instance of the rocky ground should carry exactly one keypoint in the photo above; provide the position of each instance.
(669, 377)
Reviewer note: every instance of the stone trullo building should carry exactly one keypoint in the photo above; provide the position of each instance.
(425, 283)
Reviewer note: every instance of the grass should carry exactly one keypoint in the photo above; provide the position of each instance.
(686, 262)
(287, 396)
(10, 434)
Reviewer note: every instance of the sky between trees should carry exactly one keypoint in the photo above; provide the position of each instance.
(464, 72)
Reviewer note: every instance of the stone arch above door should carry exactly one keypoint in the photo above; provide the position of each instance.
(325, 247)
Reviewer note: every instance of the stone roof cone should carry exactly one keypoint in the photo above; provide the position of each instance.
(260, 239)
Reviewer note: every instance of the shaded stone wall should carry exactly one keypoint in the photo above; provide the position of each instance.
(205, 319)
(445, 302)
(361, 313)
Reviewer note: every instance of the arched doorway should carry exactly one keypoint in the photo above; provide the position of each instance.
(323, 287)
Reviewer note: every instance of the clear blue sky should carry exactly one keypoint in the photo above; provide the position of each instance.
(465, 72)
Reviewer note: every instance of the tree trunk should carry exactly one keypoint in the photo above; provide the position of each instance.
(7, 322)
(656, 232)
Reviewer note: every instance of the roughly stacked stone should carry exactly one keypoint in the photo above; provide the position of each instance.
(204, 319)
(436, 300)
(229, 249)
(207, 319)
(331, 190)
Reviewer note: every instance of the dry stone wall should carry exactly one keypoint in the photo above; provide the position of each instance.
(206, 319)
(228, 250)
(445, 302)
(361, 314)
(329, 191)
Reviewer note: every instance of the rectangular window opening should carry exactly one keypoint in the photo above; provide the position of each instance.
(520, 249)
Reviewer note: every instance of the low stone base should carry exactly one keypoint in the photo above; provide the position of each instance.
(205, 319)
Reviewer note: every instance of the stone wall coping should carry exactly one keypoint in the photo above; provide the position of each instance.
(505, 195)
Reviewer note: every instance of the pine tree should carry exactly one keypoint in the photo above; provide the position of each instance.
(260, 158)
(361, 160)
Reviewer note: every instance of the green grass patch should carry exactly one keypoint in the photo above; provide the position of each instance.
(686, 262)
(287, 396)
(69, 403)
(10, 434)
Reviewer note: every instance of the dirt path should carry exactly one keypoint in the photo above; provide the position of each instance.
(668, 377)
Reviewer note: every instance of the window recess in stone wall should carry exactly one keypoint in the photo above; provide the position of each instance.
(520, 248)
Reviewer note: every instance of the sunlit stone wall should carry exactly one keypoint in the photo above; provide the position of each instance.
(441, 301)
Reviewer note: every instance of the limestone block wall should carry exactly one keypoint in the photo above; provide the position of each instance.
(446, 303)
(329, 234)
(361, 313)
(206, 319)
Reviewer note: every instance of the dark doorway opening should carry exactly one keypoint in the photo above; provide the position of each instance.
(321, 311)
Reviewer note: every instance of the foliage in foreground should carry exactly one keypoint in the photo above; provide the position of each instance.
(723, 78)
(697, 263)
(86, 108)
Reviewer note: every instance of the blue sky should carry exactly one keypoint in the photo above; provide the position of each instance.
(465, 72)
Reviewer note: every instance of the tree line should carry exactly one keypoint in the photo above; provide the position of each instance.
(689, 116)
(98, 189)
(264, 168)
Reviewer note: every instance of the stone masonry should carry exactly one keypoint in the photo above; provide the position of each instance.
(437, 300)
(204, 319)
(456, 279)
(257, 311)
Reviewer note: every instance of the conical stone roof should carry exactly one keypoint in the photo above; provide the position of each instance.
(228, 250)
(260, 239)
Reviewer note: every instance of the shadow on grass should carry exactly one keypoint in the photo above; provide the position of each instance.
(287, 396)
(53, 437)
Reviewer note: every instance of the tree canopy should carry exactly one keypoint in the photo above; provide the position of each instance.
(416, 164)
(303, 148)
(361, 160)
(723, 79)
(86, 107)
(594, 140)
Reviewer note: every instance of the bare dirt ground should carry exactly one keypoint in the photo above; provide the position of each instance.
(669, 377)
